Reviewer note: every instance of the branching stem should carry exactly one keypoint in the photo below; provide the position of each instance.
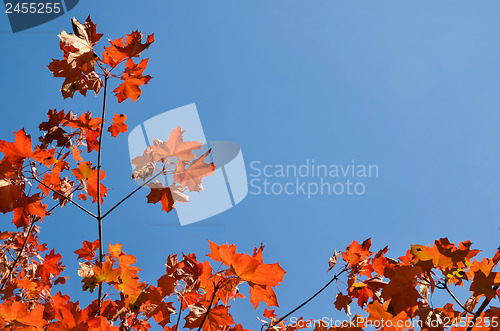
(99, 216)
(483, 306)
(337, 275)
(65, 197)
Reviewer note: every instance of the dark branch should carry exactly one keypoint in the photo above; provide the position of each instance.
(337, 275)
(130, 194)
(485, 304)
(216, 287)
(65, 197)
(445, 287)
(99, 216)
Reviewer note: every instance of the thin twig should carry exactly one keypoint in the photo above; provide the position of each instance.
(337, 275)
(99, 216)
(11, 269)
(67, 198)
(179, 316)
(58, 204)
(445, 287)
(485, 304)
(130, 194)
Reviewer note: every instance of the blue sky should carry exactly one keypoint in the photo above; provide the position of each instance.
(409, 86)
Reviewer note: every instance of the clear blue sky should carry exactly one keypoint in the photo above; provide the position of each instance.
(410, 86)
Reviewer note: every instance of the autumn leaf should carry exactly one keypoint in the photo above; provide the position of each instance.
(132, 81)
(483, 284)
(217, 318)
(342, 302)
(78, 65)
(191, 175)
(333, 260)
(54, 130)
(117, 51)
(19, 150)
(356, 253)
(29, 206)
(11, 186)
(118, 125)
(175, 146)
(18, 313)
(401, 288)
(87, 252)
(104, 272)
(379, 312)
(163, 195)
(88, 174)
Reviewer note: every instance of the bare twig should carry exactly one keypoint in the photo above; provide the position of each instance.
(337, 275)
(445, 287)
(65, 197)
(178, 317)
(130, 194)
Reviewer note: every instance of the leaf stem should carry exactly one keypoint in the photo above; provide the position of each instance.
(11, 269)
(337, 275)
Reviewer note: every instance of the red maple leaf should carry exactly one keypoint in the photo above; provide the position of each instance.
(117, 51)
(88, 174)
(132, 80)
(118, 125)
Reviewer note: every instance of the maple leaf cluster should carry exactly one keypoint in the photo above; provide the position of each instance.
(395, 292)
(172, 157)
(78, 66)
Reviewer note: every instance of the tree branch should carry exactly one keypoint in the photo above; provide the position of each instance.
(179, 316)
(99, 216)
(65, 197)
(130, 194)
(445, 287)
(337, 275)
(485, 304)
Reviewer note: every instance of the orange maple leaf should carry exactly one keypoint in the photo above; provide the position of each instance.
(356, 253)
(19, 150)
(217, 317)
(118, 125)
(29, 206)
(191, 175)
(87, 252)
(88, 174)
(133, 47)
(175, 146)
(401, 288)
(19, 313)
(132, 81)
